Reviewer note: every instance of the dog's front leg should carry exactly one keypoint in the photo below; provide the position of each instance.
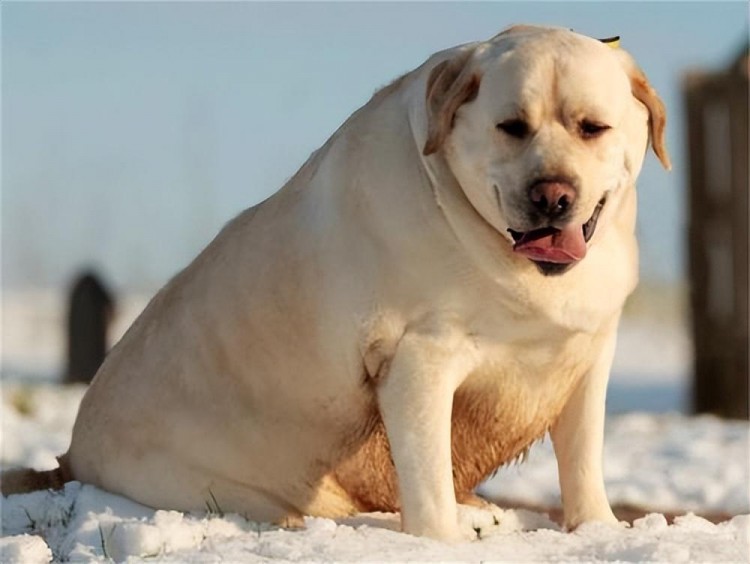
(416, 400)
(578, 437)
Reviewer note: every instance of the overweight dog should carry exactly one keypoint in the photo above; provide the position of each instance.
(436, 288)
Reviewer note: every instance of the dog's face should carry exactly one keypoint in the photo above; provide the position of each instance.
(544, 130)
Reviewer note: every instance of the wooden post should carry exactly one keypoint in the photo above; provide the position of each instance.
(717, 112)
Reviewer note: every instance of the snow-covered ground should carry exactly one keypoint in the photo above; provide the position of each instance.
(84, 524)
(664, 461)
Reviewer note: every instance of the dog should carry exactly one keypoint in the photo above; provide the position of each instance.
(435, 289)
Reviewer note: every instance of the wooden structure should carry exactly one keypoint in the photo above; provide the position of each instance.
(717, 112)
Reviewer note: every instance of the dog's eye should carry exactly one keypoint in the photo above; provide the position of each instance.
(514, 127)
(592, 129)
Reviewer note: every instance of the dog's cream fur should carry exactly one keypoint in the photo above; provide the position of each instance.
(376, 300)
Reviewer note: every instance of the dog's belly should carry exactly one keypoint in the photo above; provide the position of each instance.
(490, 427)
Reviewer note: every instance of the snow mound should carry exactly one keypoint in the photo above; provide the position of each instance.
(24, 549)
(83, 523)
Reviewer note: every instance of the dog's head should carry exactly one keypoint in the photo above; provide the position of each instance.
(544, 129)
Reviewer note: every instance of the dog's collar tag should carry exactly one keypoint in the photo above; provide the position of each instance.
(613, 42)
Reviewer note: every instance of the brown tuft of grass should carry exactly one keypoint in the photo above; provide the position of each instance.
(22, 400)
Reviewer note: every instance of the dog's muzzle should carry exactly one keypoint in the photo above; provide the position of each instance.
(554, 250)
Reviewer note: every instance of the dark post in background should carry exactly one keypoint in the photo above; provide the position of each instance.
(89, 316)
(717, 107)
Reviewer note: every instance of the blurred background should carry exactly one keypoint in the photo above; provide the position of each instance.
(131, 132)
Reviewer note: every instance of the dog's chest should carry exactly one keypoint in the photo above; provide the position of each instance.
(506, 404)
(510, 401)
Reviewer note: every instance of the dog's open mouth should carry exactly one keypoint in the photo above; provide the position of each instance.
(555, 250)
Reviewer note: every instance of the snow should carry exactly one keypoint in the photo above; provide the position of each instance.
(667, 462)
(29, 549)
(37, 422)
(82, 523)
(664, 461)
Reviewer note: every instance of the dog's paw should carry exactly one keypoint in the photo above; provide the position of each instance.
(600, 515)
(479, 521)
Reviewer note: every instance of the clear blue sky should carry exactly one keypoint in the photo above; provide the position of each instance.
(132, 132)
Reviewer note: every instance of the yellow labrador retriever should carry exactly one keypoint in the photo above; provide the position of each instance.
(436, 288)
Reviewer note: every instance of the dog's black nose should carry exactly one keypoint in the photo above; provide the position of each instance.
(552, 198)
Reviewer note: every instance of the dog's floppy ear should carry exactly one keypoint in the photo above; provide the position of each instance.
(450, 84)
(644, 92)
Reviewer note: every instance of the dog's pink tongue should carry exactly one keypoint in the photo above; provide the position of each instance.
(553, 245)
